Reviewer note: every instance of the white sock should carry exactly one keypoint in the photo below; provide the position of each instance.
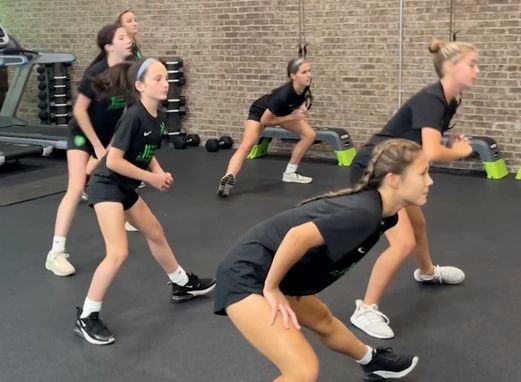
(58, 244)
(368, 357)
(179, 277)
(89, 307)
(291, 168)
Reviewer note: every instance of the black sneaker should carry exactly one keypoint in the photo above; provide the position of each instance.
(194, 287)
(387, 364)
(225, 185)
(93, 329)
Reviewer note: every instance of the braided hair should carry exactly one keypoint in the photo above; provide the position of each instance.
(390, 156)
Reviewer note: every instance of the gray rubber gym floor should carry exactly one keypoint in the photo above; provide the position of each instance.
(461, 333)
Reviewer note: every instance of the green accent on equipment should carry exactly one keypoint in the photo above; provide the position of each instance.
(496, 170)
(345, 157)
(260, 149)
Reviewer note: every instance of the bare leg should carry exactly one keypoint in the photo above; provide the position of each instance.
(76, 166)
(401, 244)
(252, 132)
(307, 137)
(140, 216)
(288, 349)
(111, 219)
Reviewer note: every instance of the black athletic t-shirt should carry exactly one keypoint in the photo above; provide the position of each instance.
(104, 113)
(283, 100)
(427, 108)
(138, 134)
(350, 225)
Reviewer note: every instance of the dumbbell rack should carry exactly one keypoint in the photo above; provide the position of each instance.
(175, 104)
(54, 94)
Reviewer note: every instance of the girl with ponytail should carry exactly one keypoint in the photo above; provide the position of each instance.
(285, 106)
(90, 131)
(424, 118)
(268, 282)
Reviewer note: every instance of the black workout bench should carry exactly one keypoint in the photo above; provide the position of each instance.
(338, 138)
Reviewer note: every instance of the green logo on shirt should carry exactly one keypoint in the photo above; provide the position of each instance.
(147, 154)
(162, 127)
(117, 102)
(339, 273)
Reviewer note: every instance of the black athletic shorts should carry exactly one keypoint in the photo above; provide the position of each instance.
(78, 141)
(359, 164)
(256, 112)
(105, 190)
(237, 281)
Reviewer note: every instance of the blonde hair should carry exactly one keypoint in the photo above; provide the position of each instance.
(390, 156)
(443, 50)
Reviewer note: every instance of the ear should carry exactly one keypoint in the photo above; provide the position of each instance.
(139, 86)
(393, 180)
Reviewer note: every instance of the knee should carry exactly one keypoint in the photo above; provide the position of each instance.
(75, 191)
(156, 233)
(308, 135)
(117, 258)
(324, 323)
(405, 247)
(307, 372)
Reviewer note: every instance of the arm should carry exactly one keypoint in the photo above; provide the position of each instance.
(154, 166)
(270, 119)
(82, 117)
(293, 247)
(436, 151)
(117, 163)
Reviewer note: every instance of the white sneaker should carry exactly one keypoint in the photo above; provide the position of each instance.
(130, 228)
(370, 320)
(441, 275)
(295, 177)
(58, 264)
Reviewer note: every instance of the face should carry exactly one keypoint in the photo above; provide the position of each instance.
(465, 70)
(121, 45)
(129, 22)
(154, 85)
(303, 75)
(413, 185)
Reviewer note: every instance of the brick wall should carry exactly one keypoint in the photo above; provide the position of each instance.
(236, 50)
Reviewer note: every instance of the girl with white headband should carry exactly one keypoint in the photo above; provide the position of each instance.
(112, 193)
(285, 106)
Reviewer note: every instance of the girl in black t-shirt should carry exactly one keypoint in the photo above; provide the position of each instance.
(90, 131)
(128, 20)
(285, 106)
(268, 282)
(112, 193)
(423, 119)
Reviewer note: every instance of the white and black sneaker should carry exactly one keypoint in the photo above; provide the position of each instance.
(225, 185)
(92, 329)
(386, 364)
(194, 287)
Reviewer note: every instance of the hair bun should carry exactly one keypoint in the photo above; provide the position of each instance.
(436, 45)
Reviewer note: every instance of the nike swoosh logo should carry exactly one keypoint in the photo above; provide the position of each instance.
(147, 133)
(361, 250)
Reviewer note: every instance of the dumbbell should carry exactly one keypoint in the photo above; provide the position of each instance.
(182, 141)
(225, 142)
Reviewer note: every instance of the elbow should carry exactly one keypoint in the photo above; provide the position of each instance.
(112, 162)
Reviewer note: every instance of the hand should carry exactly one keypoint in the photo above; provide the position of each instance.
(279, 303)
(161, 181)
(100, 151)
(299, 113)
(461, 145)
(456, 137)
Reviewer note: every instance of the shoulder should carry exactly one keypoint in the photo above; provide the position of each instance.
(98, 68)
(365, 206)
